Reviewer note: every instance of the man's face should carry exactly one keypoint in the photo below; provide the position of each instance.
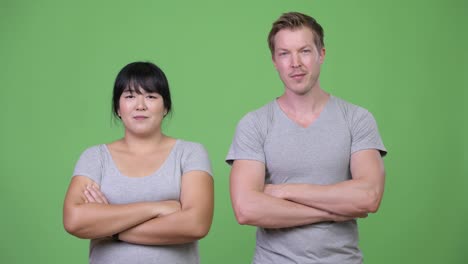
(297, 60)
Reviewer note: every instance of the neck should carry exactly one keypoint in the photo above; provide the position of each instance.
(143, 144)
(311, 102)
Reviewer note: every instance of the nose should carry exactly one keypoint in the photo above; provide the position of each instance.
(295, 61)
(141, 104)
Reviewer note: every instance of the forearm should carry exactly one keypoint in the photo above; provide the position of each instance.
(259, 209)
(177, 228)
(94, 220)
(355, 197)
(350, 198)
(252, 206)
(190, 223)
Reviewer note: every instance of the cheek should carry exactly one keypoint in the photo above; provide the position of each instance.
(281, 67)
(156, 107)
(123, 107)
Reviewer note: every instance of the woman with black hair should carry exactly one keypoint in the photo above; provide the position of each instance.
(145, 198)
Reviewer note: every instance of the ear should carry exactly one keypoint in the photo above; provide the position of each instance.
(322, 55)
(273, 60)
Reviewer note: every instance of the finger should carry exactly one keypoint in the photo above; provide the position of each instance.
(101, 196)
(89, 197)
(92, 191)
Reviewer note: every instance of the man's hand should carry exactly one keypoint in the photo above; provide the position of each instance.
(278, 191)
(274, 190)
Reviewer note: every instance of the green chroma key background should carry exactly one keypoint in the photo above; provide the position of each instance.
(405, 61)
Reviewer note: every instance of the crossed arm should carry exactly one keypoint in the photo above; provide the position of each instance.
(87, 214)
(287, 205)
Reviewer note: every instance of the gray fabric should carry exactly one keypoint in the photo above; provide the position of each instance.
(318, 154)
(164, 184)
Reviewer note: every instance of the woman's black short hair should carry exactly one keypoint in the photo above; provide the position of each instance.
(141, 75)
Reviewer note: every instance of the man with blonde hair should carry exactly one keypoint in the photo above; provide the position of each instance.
(307, 164)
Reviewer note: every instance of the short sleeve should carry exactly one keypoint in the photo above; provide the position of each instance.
(195, 158)
(365, 133)
(248, 141)
(90, 164)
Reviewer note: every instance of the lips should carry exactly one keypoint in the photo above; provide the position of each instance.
(297, 75)
(140, 117)
(294, 74)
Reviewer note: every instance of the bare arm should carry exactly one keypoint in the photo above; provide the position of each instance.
(356, 197)
(253, 207)
(94, 220)
(191, 223)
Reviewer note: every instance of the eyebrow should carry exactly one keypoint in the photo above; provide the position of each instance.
(301, 48)
(132, 90)
(307, 47)
(142, 91)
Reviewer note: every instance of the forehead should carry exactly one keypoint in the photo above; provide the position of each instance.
(290, 38)
(136, 89)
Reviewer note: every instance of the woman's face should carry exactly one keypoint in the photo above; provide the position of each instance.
(143, 113)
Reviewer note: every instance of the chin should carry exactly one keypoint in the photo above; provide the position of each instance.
(300, 90)
(143, 132)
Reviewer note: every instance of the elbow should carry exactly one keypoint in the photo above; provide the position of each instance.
(69, 227)
(69, 221)
(240, 217)
(243, 215)
(247, 208)
(372, 202)
(73, 226)
(77, 231)
(200, 226)
(200, 231)
(197, 229)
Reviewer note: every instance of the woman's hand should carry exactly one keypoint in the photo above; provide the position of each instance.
(169, 207)
(94, 195)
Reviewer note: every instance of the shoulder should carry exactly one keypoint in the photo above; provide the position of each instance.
(90, 163)
(258, 118)
(184, 144)
(93, 150)
(261, 112)
(189, 146)
(193, 156)
(350, 111)
(347, 106)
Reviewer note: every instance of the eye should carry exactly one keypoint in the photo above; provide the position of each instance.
(306, 51)
(129, 96)
(152, 96)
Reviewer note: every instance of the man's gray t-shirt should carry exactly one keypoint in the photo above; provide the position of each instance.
(164, 184)
(317, 154)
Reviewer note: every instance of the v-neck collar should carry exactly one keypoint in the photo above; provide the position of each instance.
(297, 125)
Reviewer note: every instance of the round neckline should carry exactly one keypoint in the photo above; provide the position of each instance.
(114, 164)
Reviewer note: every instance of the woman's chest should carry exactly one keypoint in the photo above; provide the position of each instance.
(162, 185)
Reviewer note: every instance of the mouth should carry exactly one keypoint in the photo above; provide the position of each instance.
(140, 117)
(297, 75)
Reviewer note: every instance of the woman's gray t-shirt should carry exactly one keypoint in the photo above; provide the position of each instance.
(164, 184)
